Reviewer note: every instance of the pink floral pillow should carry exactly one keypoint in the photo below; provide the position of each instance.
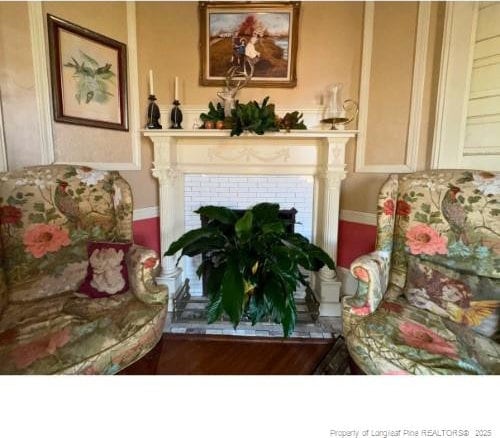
(107, 273)
(471, 300)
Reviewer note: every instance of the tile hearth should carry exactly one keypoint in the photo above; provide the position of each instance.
(323, 328)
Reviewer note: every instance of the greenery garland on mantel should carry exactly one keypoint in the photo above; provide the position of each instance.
(252, 117)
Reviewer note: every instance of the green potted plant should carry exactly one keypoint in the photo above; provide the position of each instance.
(252, 263)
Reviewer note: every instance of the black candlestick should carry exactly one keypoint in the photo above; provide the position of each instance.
(153, 114)
(176, 115)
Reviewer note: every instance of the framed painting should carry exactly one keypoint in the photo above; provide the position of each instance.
(257, 40)
(89, 76)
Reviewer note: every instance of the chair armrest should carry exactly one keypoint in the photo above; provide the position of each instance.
(372, 272)
(143, 264)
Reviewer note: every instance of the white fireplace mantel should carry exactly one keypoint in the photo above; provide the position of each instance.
(320, 153)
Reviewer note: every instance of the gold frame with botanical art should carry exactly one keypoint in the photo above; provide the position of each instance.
(261, 37)
(89, 76)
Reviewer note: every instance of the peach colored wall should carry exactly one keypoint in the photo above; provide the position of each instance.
(329, 50)
(390, 81)
(359, 190)
(75, 143)
(330, 42)
(17, 86)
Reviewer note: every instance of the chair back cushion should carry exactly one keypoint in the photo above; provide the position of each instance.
(447, 223)
(48, 213)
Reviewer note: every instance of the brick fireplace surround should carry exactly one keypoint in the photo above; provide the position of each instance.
(317, 154)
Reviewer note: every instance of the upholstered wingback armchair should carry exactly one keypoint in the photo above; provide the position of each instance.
(428, 297)
(48, 216)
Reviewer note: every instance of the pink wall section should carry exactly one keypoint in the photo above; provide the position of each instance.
(147, 233)
(354, 239)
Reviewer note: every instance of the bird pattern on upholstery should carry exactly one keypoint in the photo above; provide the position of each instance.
(446, 218)
(48, 214)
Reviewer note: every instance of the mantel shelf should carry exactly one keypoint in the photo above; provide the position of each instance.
(218, 133)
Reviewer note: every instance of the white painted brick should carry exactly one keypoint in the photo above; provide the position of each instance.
(241, 191)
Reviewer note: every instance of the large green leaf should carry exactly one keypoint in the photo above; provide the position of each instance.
(316, 256)
(204, 268)
(275, 297)
(256, 310)
(214, 308)
(233, 289)
(265, 212)
(284, 259)
(289, 316)
(215, 276)
(243, 226)
(277, 227)
(221, 214)
(189, 238)
(204, 244)
(281, 305)
(324, 259)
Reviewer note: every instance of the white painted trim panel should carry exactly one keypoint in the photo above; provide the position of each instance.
(42, 87)
(43, 96)
(417, 93)
(133, 87)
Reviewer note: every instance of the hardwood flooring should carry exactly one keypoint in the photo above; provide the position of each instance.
(223, 355)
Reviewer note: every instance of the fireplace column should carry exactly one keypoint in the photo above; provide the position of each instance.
(328, 179)
(171, 191)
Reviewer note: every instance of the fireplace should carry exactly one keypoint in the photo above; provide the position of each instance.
(317, 154)
(240, 192)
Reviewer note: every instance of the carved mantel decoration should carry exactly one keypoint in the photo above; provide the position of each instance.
(320, 153)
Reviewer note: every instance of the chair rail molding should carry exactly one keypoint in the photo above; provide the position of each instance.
(417, 93)
(318, 153)
(39, 44)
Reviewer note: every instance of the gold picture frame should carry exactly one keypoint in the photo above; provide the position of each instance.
(88, 75)
(261, 37)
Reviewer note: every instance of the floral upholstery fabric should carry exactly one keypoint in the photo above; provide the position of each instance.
(447, 218)
(47, 216)
(3, 285)
(472, 300)
(402, 339)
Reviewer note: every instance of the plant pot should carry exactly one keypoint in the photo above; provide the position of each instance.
(219, 124)
(209, 124)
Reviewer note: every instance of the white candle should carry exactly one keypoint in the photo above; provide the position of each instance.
(176, 89)
(151, 90)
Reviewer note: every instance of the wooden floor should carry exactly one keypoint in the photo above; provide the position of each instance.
(215, 355)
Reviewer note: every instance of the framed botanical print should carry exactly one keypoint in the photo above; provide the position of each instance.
(258, 40)
(89, 76)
